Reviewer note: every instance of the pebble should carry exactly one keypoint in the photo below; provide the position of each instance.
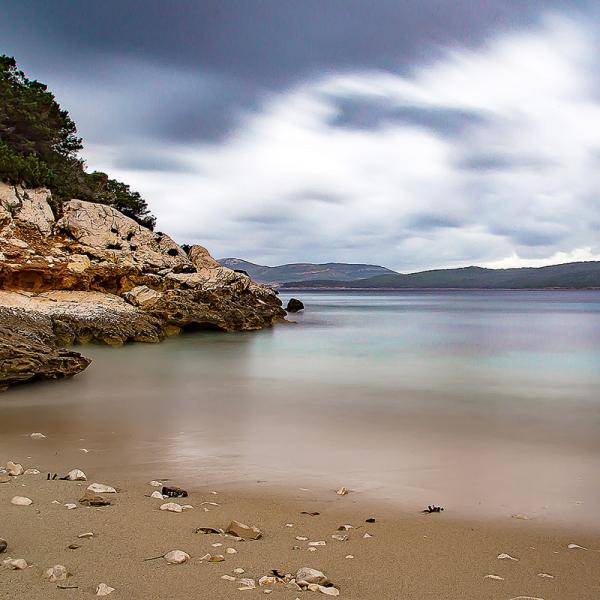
(228, 577)
(247, 584)
(504, 556)
(349, 556)
(343, 491)
(340, 538)
(76, 475)
(156, 494)
(345, 527)
(217, 545)
(21, 501)
(301, 538)
(3, 545)
(573, 546)
(176, 557)
(312, 549)
(90, 499)
(247, 532)
(319, 543)
(101, 488)
(521, 517)
(155, 484)
(231, 551)
(267, 580)
(104, 590)
(87, 534)
(17, 564)
(31, 472)
(289, 524)
(37, 436)
(216, 558)
(70, 506)
(494, 577)
(239, 570)
(4, 478)
(14, 469)
(172, 507)
(306, 575)
(367, 535)
(546, 575)
(56, 573)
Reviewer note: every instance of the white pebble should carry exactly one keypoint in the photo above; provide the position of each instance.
(231, 551)
(15, 563)
(37, 436)
(70, 506)
(157, 494)
(76, 475)
(101, 488)
(176, 557)
(155, 483)
(56, 573)
(104, 590)
(21, 501)
(172, 507)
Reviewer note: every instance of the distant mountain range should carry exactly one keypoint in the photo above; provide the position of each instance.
(577, 275)
(300, 272)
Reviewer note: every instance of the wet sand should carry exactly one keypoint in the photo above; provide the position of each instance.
(410, 555)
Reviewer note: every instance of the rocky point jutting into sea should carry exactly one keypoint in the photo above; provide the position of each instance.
(87, 273)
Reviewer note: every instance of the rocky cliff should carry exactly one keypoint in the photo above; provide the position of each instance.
(84, 272)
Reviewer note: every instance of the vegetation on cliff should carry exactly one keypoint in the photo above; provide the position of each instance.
(39, 146)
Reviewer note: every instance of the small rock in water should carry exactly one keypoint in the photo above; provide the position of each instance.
(31, 472)
(76, 475)
(505, 556)
(176, 557)
(267, 580)
(70, 506)
(370, 520)
(301, 538)
(90, 499)
(3, 545)
(573, 546)
(209, 530)
(173, 491)
(17, 564)
(37, 436)
(493, 577)
(546, 575)
(247, 532)
(14, 469)
(87, 534)
(239, 571)
(56, 573)
(349, 556)
(343, 491)
(4, 478)
(294, 305)
(228, 577)
(345, 528)
(521, 517)
(104, 590)
(84, 450)
(101, 488)
(172, 507)
(328, 590)
(433, 509)
(312, 549)
(319, 543)
(231, 551)
(367, 535)
(156, 494)
(21, 501)
(155, 483)
(339, 538)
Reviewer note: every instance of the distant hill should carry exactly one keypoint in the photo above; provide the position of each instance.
(569, 275)
(305, 271)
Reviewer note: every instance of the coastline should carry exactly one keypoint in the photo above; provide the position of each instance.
(410, 555)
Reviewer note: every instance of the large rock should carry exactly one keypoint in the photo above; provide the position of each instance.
(95, 275)
(28, 349)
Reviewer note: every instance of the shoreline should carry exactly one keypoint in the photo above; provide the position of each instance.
(408, 555)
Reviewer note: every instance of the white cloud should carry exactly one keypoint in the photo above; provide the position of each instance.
(517, 183)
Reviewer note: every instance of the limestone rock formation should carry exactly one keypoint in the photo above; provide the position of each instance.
(91, 274)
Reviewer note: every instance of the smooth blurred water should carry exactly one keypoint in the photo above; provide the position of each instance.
(486, 401)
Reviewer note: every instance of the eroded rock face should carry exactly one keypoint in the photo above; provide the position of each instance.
(95, 275)
(28, 349)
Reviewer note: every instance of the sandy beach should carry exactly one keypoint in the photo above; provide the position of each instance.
(408, 556)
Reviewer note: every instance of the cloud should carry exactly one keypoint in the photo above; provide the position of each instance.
(406, 149)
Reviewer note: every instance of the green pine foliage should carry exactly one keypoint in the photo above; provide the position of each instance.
(39, 147)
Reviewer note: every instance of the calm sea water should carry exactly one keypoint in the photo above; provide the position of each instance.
(481, 401)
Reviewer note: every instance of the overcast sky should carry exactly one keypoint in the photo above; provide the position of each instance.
(412, 134)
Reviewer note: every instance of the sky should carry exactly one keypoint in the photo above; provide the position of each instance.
(414, 134)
